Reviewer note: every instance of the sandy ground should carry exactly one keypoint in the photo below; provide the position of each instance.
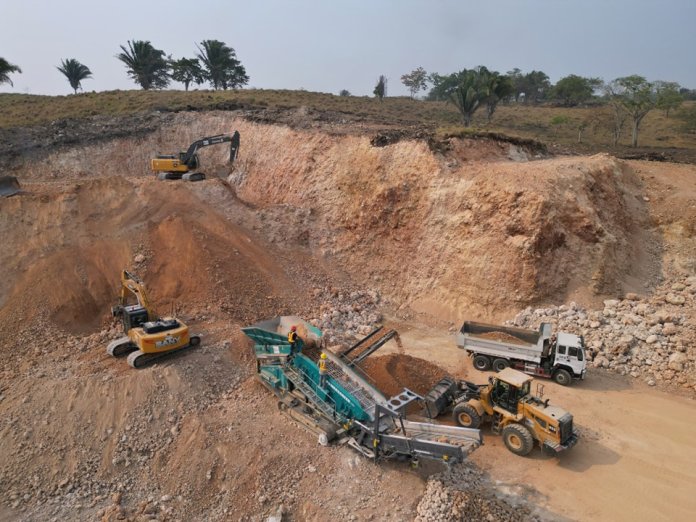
(636, 459)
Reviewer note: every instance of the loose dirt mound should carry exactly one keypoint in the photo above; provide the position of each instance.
(65, 246)
(392, 373)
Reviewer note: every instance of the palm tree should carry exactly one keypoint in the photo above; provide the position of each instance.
(222, 68)
(146, 65)
(6, 68)
(469, 94)
(75, 72)
(497, 87)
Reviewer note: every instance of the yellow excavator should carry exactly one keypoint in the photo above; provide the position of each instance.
(148, 337)
(183, 164)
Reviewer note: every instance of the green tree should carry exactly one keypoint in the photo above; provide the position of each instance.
(535, 86)
(573, 90)
(517, 80)
(415, 81)
(187, 71)
(637, 96)
(75, 72)
(381, 87)
(619, 113)
(668, 96)
(220, 64)
(7, 68)
(146, 65)
(496, 87)
(469, 94)
(444, 85)
(344, 92)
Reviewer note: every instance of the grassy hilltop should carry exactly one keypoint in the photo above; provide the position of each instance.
(577, 129)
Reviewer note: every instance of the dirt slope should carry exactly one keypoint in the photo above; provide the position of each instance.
(556, 228)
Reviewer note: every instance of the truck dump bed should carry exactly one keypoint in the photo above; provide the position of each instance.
(504, 341)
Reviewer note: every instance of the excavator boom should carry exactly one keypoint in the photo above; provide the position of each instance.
(130, 283)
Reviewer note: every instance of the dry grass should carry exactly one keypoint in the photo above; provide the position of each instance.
(657, 131)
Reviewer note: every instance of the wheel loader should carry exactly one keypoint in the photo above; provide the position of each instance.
(183, 164)
(147, 336)
(508, 405)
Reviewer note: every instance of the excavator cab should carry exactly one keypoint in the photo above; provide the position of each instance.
(131, 316)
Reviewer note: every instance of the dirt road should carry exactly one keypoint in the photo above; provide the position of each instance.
(636, 459)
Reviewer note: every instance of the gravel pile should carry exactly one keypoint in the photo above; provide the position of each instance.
(465, 493)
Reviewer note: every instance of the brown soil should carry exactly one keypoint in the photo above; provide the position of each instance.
(464, 234)
(501, 337)
(392, 373)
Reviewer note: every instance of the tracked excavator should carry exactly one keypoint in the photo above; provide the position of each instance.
(184, 164)
(147, 336)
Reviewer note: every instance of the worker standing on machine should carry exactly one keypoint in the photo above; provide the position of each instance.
(322, 370)
(294, 340)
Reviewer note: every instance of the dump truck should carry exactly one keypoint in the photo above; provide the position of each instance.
(347, 409)
(537, 352)
(507, 403)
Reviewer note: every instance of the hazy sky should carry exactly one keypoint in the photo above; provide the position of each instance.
(330, 45)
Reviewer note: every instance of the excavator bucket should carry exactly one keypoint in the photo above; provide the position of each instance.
(9, 186)
(234, 146)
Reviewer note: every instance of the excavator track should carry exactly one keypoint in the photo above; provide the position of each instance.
(120, 347)
(139, 359)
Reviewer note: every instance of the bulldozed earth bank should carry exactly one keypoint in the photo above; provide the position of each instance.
(327, 223)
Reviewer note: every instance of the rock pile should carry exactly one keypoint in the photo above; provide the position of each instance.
(464, 493)
(650, 338)
(344, 314)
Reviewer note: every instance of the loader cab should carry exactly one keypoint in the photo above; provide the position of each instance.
(508, 388)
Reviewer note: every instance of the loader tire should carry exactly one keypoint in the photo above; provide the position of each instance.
(466, 416)
(500, 364)
(518, 439)
(482, 363)
(562, 377)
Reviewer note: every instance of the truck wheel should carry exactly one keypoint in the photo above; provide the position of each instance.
(562, 377)
(482, 363)
(518, 439)
(466, 416)
(500, 364)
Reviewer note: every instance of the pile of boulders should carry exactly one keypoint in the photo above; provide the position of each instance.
(465, 493)
(651, 338)
(345, 314)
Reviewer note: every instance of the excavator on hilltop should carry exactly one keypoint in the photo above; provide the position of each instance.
(183, 164)
(147, 336)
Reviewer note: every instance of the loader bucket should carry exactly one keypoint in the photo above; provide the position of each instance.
(9, 186)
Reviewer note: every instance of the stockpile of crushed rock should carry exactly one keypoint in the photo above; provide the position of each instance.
(649, 338)
(464, 493)
(344, 314)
